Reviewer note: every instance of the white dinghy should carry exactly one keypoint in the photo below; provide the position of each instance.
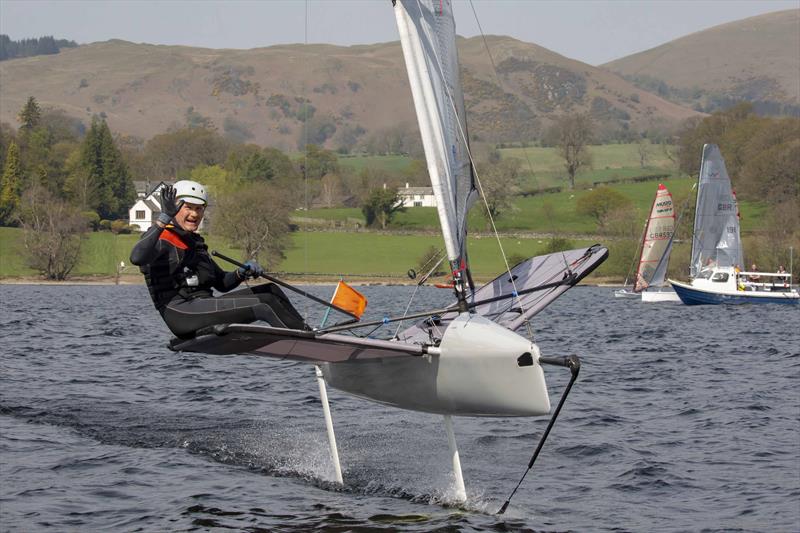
(651, 271)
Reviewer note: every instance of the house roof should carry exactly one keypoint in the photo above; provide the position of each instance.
(138, 203)
(148, 187)
(415, 190)
(149, 202)
(158, 186)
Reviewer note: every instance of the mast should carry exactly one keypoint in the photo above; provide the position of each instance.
(695, 256)
(427, 36)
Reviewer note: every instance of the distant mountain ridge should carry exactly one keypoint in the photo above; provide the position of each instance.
(332, 95)
(756, 59)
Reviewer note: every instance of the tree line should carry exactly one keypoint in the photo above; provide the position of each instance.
(10, 49)
(61, 179)
(52, 163)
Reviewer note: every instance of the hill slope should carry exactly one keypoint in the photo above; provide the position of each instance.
(343, 94)
(755, 59)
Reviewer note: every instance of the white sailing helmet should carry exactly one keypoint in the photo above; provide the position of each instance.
(190, 192)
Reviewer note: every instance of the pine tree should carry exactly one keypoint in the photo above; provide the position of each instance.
(113, 190)
(10, 185)
(30, 115)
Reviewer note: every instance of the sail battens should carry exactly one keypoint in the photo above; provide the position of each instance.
(427, 36)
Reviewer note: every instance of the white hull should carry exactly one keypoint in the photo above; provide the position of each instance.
(648, 296)
(660, 296)
(625, 293)
(726, 286)
(478, 372)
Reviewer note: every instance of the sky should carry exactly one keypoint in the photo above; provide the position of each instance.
(592, 31)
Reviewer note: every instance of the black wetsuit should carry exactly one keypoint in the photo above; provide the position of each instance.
(180, 275)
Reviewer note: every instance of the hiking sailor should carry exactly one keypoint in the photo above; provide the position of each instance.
(180, 273)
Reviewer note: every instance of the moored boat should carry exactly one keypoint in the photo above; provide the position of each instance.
(717, 253)
(725, 285)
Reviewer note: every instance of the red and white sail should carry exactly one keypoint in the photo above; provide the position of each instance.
(656, 242)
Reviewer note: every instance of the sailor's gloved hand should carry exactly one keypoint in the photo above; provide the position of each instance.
(251, 269)
(169, 208)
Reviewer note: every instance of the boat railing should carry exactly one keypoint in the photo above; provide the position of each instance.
(753, 280)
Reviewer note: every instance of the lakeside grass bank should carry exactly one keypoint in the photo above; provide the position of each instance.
(320, 257)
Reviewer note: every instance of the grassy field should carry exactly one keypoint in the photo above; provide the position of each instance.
(543, 167)
(392, 255)
(547, 213)
(350, 255)
(329, 253)
(605, 156)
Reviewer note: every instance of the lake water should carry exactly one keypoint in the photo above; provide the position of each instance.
(684, 418)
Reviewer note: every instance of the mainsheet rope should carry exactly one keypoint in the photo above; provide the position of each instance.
(497, 76)
(461, 131)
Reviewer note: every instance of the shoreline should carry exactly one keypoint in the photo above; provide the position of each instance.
(138, 279)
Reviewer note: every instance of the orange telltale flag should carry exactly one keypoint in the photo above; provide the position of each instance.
(349, 299)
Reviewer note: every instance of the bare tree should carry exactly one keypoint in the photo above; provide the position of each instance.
(53, 232)
(573, 133)
(669, 152)
(498, 182)
(257, 219)
(330, 190)
(643, 149)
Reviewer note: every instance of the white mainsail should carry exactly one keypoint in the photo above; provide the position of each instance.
(428, 37)
(716, 240)
(656, 242)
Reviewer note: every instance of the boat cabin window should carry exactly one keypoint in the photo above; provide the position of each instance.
(720, 277)
(704, 274)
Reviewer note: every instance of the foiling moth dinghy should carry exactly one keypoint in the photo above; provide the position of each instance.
(463, 360)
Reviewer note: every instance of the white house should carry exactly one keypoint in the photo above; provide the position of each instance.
(417, 196)
(148, 205)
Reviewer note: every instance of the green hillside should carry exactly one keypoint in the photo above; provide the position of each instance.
(385, 254)
(545, 213)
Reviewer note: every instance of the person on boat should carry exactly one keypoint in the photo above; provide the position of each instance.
(754, 277)
(783, 279)
(180, 273)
